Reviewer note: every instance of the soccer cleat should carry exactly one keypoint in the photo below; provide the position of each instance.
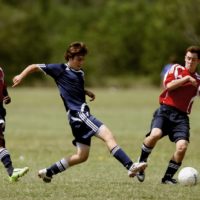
(140, 176)
(136, 167)
(170, 181)
(43, 174)
(17, 173)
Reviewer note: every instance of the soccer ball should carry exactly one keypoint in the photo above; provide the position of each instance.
(188, 176)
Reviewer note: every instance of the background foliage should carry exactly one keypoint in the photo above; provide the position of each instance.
(126, 39)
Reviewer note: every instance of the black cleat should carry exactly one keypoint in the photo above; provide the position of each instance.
(170, 181)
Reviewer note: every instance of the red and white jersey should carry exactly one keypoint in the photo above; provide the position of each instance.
(3, 87)
(181, 98)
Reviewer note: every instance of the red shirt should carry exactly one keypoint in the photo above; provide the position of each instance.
(3, 87)
(181, 98)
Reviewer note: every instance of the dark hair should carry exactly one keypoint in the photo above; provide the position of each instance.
(75, 49)
(194, 49)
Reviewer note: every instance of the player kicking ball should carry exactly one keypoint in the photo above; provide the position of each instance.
(13, 173)
(69, 78)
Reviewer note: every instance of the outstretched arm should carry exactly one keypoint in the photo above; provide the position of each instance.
(29, 69)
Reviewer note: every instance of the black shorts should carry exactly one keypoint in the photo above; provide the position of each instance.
(172, 122)
(84, 126)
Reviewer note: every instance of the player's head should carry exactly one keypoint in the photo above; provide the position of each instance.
(192, 58)
(76, 49)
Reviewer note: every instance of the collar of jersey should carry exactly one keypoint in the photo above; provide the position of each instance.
(69, 68)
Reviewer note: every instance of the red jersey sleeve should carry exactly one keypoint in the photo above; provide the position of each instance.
(175, 72)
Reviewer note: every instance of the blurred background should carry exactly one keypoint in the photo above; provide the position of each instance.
(129, 41)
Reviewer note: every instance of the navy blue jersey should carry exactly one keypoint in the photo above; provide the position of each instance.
(70, 84)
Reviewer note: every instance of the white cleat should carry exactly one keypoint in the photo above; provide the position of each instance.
(135, 168)
(43, 175)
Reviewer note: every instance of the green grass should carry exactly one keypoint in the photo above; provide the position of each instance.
(37, 130)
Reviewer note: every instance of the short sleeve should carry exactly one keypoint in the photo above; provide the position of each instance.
(54, 70)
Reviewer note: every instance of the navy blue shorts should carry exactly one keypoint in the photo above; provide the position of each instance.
(84, 126)
(172, 122)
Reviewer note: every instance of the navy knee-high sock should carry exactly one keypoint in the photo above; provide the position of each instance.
(6, 160)
(145, 152)
(122, 157)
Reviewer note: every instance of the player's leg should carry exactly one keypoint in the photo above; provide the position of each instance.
(149, 143)
(147, 147)
(156, 132)
(180, 135)
(14, 174)
(175, 162)
(4, 154)
(105, 134)
(80, 156)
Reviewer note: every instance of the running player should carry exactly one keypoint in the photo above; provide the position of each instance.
(69, 78)
(171, 118)
(14, 174)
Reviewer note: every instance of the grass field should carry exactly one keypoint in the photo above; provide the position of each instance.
(38, 134)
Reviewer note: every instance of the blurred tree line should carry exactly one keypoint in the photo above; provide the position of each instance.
(127, 40)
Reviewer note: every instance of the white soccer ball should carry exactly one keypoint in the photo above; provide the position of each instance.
(188, 176)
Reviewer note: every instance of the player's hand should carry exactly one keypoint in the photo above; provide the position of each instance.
(16, 80)
(6, 99)
(90, 94)
(193, 81)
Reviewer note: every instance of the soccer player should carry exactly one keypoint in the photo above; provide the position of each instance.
(14, 174)
(69, 78)
(171, 118)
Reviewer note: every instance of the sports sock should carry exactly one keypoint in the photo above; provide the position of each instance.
(145, 152)
(6, 160)
(171, 169)
(121, 156)
(57, 167)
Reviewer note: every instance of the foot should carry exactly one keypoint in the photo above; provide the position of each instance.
(17, 173)
(140, 176)
(136, 167)
(43, 174)
(170, 181)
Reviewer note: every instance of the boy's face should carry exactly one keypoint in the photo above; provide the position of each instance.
(191, 61)
(77, 61)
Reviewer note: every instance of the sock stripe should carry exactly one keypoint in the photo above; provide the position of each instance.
(60, 166)
(174, 165)
(114, 150)
(64, 163)
(4, 152)
(146, 149)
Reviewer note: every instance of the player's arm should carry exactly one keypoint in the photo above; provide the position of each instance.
(179, 82)
(90, 94)
(28, 70)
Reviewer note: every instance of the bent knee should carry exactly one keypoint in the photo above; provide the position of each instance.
(83, 158)
(182, 148)
(155, 134)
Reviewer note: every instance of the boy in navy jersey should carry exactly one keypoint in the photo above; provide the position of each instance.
(181, 85)
(14, 174)
(69, 79)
